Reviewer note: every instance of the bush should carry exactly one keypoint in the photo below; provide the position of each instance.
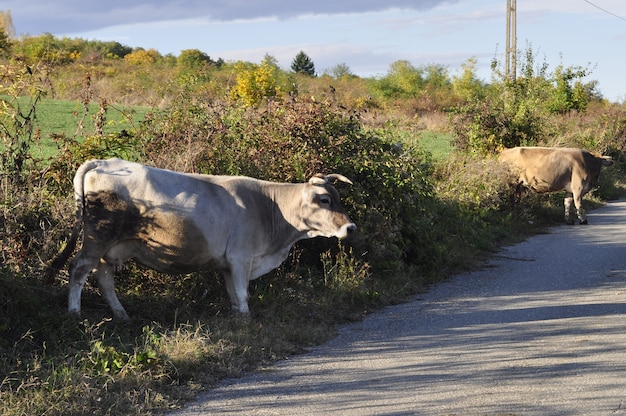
(485, 127)
(142, 57)
(255, 83)
(519, 112)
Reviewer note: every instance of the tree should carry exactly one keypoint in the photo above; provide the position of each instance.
(115, 49)
(436, 76)
(193, 59)
(302, 64)
(270, 61)
(569, 92)
(6, 22)
(403, 80)
(466, 85)
(7, 33)
(341, 70)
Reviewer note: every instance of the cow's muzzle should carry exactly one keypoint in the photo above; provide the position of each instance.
(346, 230)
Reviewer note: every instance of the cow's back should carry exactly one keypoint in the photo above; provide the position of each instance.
(134, 182)
(544, 169)
(151, 188)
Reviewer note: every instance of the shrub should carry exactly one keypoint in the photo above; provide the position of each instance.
(255, 83)
(485, 127)
(517, 113)
(467, 86)
(513, 114)
(193, 59)
(142, 57)
(478, 210)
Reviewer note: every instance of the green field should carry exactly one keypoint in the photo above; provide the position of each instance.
(438, 144)
(57, 117)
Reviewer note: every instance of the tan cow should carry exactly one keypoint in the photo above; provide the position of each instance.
(178, 223)
(551, 169)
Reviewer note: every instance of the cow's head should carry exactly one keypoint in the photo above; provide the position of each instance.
(322, 212)
(607, 160)
(596, 164)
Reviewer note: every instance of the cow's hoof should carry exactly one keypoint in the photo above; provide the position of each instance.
(73, 314)
(569, 222)
(237, 314)
(121, 318)
(584, 222)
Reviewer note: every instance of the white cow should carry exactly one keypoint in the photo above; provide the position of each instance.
(178, 223)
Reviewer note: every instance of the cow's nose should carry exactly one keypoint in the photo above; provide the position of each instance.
(346, 231)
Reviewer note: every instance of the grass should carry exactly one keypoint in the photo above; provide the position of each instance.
(56, 117)
(438, 144)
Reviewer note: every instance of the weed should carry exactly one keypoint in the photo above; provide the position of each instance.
(345, 277)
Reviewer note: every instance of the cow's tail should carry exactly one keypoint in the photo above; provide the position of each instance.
(79, 195)
(60, 260)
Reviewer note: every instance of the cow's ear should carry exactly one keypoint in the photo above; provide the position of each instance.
(337, 177)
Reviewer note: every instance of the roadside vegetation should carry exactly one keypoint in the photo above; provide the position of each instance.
(428, 198)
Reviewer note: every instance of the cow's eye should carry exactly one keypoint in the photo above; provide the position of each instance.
(325, 199)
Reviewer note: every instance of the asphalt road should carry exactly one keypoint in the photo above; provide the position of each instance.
(541, 330)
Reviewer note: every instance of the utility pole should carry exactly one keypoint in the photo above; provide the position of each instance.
(510, 66)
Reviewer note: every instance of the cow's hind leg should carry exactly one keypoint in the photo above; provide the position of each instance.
(82, 265)
(106, 283)
(567, 202)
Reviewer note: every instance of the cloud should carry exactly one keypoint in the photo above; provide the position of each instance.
(237, 9)
(34, 17)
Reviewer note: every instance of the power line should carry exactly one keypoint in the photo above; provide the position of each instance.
(604, 10)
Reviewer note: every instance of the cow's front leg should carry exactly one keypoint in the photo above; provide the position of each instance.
(237, 287)
(106, 283)
(580, 211)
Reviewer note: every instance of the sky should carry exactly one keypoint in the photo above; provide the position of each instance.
(365, 35)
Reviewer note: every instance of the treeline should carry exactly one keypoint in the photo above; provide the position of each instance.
(429, 87)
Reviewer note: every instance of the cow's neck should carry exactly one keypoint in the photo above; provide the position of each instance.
(286, 220)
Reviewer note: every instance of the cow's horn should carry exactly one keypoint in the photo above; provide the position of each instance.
(336, 176)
